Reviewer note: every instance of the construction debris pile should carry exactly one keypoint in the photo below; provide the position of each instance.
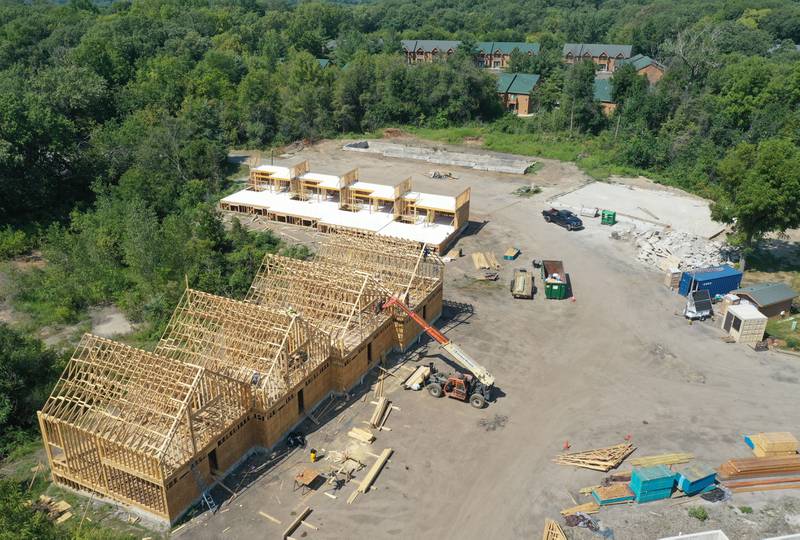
(671, 476)
(667, 248)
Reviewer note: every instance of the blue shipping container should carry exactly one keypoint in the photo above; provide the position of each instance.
(716, 280)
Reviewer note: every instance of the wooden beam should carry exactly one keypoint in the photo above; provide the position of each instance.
(296, 523)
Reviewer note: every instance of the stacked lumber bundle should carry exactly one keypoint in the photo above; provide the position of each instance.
(363, 435)
(418, 378)
(485, 261)
(652, 483)
(774, 444)
(613, 494)
(750, 467)
(695, 478)
(380, 413)
(661, 459)
(600, 459)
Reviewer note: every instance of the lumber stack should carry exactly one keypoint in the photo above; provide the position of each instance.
(599, 459)
(775, 444)
(380, 410)
(613, 494)
(754, 467)
(363, 435)
(485, 260)
(419, 377)
(661, 459)
(652, 483)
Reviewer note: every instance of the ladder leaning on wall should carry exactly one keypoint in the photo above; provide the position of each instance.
(204, 490)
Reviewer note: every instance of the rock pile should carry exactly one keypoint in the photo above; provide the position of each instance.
(670, 248)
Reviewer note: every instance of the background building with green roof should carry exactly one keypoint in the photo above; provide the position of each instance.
(515, 91)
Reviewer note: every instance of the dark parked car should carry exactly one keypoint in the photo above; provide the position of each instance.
(565, 218)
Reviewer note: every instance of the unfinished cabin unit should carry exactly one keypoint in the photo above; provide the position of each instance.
(138, 427)
(341, 200)
(342, 291)
(282, 358)
(156, 430)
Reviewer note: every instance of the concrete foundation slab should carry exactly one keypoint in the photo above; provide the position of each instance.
(662, 207)
(494, 162)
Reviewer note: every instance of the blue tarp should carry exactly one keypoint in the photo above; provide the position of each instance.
(716, 280)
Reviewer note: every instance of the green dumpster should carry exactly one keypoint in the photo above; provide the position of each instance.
(554, 279)
(608, 217)
(555, 290)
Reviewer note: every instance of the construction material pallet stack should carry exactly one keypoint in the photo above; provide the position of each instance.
(652, 483)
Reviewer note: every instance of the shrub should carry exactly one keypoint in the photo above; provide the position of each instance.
(745, 510)
(699, 513)
(13, 243)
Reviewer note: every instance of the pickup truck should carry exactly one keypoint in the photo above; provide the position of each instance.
(565, 218)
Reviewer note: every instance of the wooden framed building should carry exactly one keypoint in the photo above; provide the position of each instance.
(295, 195)
(155, 430)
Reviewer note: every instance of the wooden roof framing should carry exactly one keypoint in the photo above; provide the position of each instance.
(344, 304)
(397, 265)
(144, 402)
(267, 348)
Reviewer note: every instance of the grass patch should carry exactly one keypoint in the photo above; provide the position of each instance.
(745, 510)
(782, 329)
(593, 155)
(699, 513)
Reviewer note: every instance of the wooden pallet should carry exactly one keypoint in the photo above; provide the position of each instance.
(553, 531)
(662, 459)
(599, 459)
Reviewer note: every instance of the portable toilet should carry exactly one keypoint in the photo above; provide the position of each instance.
(717, 280)
(745, 323)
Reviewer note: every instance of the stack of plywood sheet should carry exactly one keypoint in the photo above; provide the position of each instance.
(652, 483)
(613, 494)
(695, 478)
(774, 444)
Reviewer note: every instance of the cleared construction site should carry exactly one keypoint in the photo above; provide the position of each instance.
(155, 430)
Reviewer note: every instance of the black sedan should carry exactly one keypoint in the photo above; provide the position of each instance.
(565, 218)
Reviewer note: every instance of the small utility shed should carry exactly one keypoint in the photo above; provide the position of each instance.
(771, 299)
(515, 91)
(745, 323)
(716, 280)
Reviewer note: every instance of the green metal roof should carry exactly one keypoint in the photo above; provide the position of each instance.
(767, 294)
(640, 61)
(602, 90)
(516, 83)
(597, 49)
(506, 47)
(428, 45)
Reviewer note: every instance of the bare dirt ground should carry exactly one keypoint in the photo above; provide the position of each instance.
(616, 361)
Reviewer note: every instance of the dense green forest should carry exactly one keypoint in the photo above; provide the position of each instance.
(116, 120)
